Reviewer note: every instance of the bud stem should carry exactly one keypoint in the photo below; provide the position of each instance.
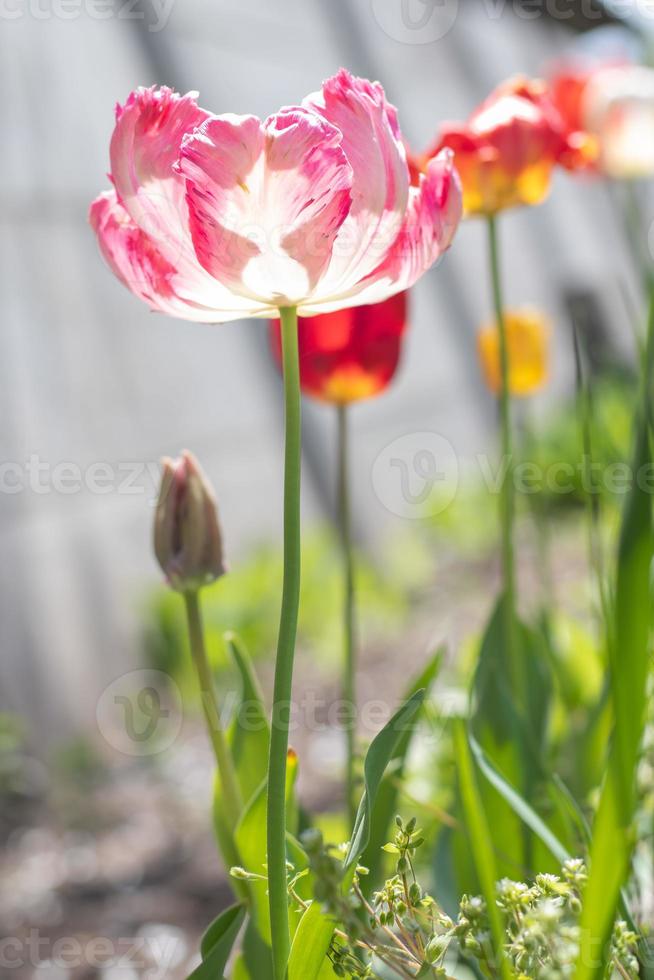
(231, 791)
(349, 667)
(277, 882)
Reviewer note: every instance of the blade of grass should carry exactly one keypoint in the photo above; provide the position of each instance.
(481, 842)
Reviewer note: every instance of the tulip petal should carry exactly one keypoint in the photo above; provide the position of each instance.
(380, 187)
(135, 259)
(266, 201)
(145, 146)
(432, 217)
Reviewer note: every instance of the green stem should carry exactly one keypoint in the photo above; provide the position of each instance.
(585, 408)
(349, 666)
(513, 653)
(277, 883)
(507, 503)
(231, 791)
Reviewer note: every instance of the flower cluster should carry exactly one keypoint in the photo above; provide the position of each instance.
(542, 926)
(404, 928)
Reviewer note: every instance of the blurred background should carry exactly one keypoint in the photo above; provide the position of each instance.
(107, 837)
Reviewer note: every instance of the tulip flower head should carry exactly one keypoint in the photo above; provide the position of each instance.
(527, 342)
(187, 536)
(350, 354)
(218, 217)
(618, 108)
(597, 87)
(506, 152)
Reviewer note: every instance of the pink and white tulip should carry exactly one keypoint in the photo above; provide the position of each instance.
(214, 218)
(618, 105)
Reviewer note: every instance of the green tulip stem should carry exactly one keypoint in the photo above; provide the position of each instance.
(277, 880)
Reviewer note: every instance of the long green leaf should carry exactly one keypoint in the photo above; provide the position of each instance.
(379, 755)
(249, 738)
(314, 933)
(517, 803)
(480, 841)
(250, 730)
(613, 836)
(388, 792)
(217, 944)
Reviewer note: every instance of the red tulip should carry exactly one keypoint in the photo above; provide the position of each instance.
(350, 354)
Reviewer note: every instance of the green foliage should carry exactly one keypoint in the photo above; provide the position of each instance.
(388, 792)
(217, 944)
(315, 931)
(629, 657)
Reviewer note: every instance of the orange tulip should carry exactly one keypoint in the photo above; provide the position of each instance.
(506, 152)
(527, 341)
(350, 354)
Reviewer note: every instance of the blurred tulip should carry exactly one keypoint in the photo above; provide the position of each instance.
(618, 108)
(527, 342)
(215, 218)
(187, 536)
(350, 354)
(598, 88)
(506, 152)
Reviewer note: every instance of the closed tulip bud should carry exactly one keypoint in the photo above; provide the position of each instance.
(187, 537)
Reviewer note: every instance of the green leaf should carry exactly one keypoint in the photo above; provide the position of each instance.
(240, 971)
(249, 730)
(314, 933)
(249, 738)
(480, 841)
(256, 956)
(388, 792)
(380, 753)
(517, 803)
(613, 837)
(217, 944)
(511, 731)
(252, 845)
